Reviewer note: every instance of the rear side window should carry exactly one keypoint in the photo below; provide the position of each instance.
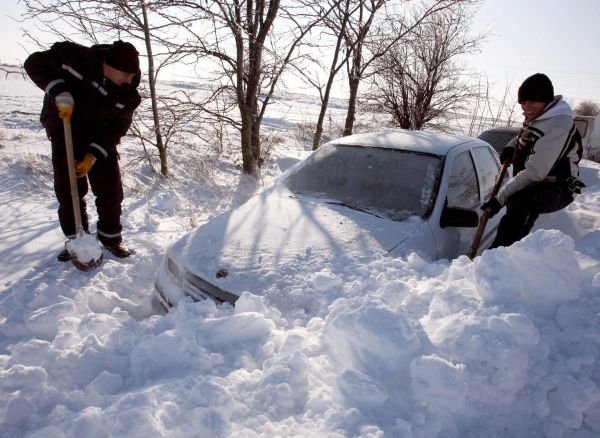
(463, 190)
(498, 140)
(487, 168)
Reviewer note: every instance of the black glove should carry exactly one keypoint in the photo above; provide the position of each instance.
(507, 154)
(493, 207)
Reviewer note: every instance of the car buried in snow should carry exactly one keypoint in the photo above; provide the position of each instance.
(383, 194)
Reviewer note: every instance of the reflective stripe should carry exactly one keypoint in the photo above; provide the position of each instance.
(536, 130)
(53, 83)
(119, 105)
(100, 88)
(108, 235)
(100, 148)
(72, 71)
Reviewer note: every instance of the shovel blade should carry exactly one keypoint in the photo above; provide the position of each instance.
(85, 266)
(85, 252)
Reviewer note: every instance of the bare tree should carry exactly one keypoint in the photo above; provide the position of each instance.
(368, 41)
(485, 111)
(418, 80)
(337, 24)
(250, 44)
(12, 70)
(359, 41)
(356, 36)
(154, 24)
(587, 108)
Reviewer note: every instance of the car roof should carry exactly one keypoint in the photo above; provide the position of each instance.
(509, 129)
(418, 141)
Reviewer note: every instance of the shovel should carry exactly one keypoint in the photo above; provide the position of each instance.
(84, 249)
(483, 220)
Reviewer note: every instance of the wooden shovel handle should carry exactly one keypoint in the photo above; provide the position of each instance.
(484, 217)
(72, 175)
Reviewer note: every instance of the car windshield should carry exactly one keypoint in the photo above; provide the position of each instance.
(387, 182)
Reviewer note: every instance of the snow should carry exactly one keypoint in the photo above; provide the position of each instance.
(431, 142)
(504, 345)
(85, 248)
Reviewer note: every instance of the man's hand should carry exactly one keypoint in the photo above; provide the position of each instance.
(507, 154)
(83, 167)
(492, 207)
(65, 103)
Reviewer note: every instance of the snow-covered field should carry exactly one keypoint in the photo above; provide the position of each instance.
(506, 345)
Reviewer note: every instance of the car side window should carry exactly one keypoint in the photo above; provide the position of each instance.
(487, 168)
(463, 190)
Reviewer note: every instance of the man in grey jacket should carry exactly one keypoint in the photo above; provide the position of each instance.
(545, 162)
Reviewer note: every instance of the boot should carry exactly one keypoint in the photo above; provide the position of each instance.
(119, 250)
(63, 256)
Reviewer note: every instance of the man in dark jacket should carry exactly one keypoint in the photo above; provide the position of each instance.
(545, 162)
(96, 87)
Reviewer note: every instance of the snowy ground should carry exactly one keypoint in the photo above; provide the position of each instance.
(506, 345)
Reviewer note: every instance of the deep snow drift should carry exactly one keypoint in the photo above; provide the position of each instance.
(505, 345)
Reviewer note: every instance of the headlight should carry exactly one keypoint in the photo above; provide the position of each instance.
(174, 270)
(195, 286)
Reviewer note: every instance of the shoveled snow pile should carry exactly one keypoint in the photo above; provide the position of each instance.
(505, 345)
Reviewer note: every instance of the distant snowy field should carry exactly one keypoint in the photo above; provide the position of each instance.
(506, 345)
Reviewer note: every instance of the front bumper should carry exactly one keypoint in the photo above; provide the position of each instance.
(173, 282)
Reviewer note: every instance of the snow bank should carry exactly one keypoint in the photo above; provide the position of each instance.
(506, 344)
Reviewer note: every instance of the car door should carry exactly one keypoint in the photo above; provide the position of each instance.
(463, 191)
(487, 167)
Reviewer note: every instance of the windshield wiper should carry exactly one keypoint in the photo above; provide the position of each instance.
(353, 207)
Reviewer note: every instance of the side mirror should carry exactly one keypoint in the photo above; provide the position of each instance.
(458, 217)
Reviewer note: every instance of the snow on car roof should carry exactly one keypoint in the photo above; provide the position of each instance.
(419, 141)
(511, 129)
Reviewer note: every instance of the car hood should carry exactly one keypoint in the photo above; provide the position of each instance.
(277, 237)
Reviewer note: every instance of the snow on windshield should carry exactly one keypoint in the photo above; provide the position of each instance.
(391, 182)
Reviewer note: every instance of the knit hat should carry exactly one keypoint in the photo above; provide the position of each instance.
(537, 88)
(123, 56)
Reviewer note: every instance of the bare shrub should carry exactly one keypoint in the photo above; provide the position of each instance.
(587, 108)
(269, 141)
(304, 133)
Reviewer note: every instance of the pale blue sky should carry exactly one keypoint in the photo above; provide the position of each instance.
(558, 37)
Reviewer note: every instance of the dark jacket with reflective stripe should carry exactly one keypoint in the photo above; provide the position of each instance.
(548, 149)
(103, 111)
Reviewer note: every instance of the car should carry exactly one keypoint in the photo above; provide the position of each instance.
(499, 137)
(589, 128)
(354, 199)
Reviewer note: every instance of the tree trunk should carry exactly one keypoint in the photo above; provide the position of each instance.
(324, 104)
(162, 153)
(257, 31)
(255, 133)
(332, 72)
(249, 163)
(351, 114)
(255, 141)
(250, 122)
(319, 127)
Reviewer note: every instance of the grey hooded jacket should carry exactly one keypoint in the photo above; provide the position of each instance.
(548, 149)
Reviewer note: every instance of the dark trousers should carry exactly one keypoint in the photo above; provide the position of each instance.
(524, 207)
(105, 181)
